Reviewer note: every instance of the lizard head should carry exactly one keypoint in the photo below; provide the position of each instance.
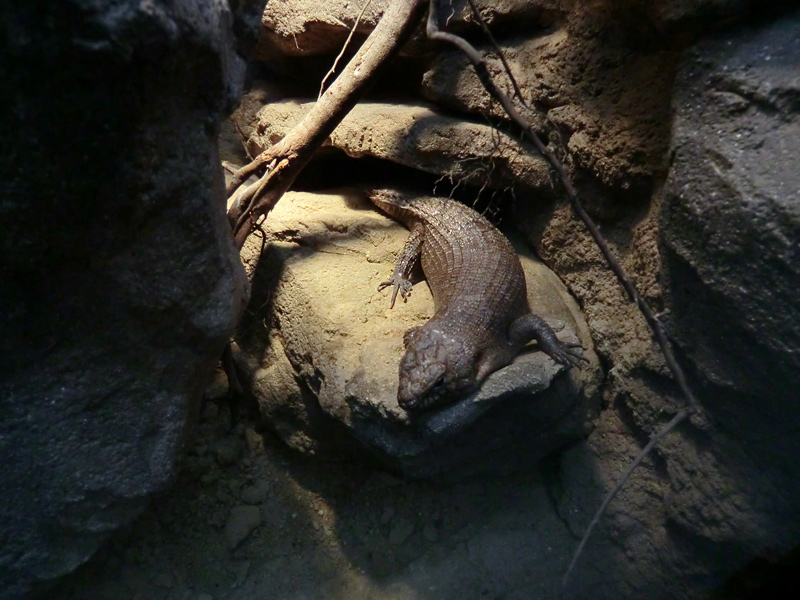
(436, 368)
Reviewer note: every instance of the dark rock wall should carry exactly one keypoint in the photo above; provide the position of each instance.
(119, 281)
(730, 222)
(716, 497)
(731, 212)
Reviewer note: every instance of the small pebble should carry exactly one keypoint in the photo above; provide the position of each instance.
(227, 450)
(256, 493)
(242, 520)
(400, 531)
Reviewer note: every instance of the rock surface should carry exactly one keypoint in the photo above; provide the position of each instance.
(731, 213)
(241, 522)
(334, 346)
(332, 529)
(729, 227)
(415, 136)
(730, 222)
(120, 285)
(610, 104)
(310, 27)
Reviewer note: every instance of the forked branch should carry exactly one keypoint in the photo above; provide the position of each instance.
(283, 162)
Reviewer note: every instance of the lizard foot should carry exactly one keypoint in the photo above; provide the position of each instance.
(531, 326)
(569, 354)
(401, 284)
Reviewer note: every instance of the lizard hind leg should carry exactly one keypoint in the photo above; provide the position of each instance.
(532, 327)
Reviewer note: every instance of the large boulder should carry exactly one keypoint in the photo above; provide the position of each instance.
(730, 219)
(324, 369)
(120, 281)
(730, 224)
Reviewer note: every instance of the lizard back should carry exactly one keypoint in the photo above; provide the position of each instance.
(481, 317)
(473, 271)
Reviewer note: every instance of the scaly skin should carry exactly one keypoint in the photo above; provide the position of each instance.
(481, 319)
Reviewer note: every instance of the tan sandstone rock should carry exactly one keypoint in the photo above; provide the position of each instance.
(413, 135)
(328, 362)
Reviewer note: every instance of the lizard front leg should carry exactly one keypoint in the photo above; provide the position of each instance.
(401, 277)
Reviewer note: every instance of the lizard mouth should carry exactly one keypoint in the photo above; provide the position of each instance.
(409, 404)
(431, 397)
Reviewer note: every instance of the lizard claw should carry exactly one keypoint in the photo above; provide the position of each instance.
(567, 353)
(401, 284)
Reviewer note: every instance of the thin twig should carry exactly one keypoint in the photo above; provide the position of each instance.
(344, 47)
(229, 365)
(676, 420)
(660, 334)
(487, 32)
(242, 174)
(507, 68)
(250, 195)
(243, 137)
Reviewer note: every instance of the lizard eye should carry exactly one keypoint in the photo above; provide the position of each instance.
(438, 387)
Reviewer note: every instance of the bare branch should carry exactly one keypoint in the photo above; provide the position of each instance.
(663, 432)
(285, 160)
(344, 48)
(487, 32)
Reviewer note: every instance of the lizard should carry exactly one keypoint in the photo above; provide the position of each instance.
(481, 314)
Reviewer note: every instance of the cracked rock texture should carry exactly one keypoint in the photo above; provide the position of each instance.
(413, 135)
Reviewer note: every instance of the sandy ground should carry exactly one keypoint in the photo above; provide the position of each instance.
(249, 519)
